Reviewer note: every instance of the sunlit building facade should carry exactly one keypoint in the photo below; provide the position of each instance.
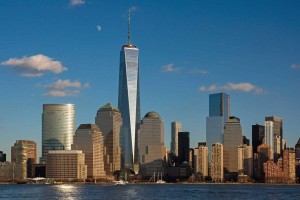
(151, 144)
(216, 165)
(109, 121)
(58, 127)
(269, 137)
(201, 161)
(89, 139)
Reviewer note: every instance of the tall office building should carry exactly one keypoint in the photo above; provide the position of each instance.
(233, 138)
(109, 121)
(258, 134)
(201, 160)
(277, 131)
(297, 150)
(23, 153)
(58, 127)
(129, 101)
(216, 165)
(89, 139)
(269, 137)
(183, 146)
(175, 128)
(289, 164)
(264, 154)
(2, 156)
(245, 160)
(219, 112)
(151, 144)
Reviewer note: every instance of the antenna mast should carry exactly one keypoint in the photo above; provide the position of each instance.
(129, 26)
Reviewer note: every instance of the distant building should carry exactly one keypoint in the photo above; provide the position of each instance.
(11, 171)
(219, 112)
(175, 128)
(264, 154)
(66, 164)
(297, 164)
(24, 153)
(183, 146)
(2, 156)
(109, 121)
(191, 158)
(232, 140)
(151, 145)
(201, 161)
(246, 141)
(58, 127)
(245, 160)
(89, 139)
(277, 130)
(258, 133)
(216, 165)
(289, 164)
(269, 137)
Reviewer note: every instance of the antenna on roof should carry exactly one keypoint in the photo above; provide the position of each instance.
(129, 26)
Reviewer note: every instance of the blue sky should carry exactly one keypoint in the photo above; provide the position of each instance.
(52, 52)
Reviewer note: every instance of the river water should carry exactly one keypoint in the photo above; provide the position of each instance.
(150, 191)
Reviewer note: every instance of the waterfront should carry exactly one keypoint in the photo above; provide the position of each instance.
(150, 191)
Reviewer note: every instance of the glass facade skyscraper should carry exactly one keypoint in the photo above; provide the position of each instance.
(129, 102)
(58, 127)
(219, 112)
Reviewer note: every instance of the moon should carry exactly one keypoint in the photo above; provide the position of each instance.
(98, 27)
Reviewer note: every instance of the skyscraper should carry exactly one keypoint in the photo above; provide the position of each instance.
(216, 165)
(201, 160)
(23, 153)
(129, 101)
(109, 121)
(277, 131)
(151, 144)
(269, 137)
(175, 128)
(58, 127)
(219, 112)
(183, 146)
(89, 139)
(233, 138)
(258, 133)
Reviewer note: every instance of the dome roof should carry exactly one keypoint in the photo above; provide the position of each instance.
(152, 114)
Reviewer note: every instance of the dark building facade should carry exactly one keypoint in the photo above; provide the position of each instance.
(258, 132)
(246, 141)
(2, 156)
(183, 146)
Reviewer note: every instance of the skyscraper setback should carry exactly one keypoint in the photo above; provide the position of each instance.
(129, 101)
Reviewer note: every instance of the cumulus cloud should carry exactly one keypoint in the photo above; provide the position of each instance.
(170, 69)
(77, 2)
(63, 88)
(295, 66)
(244, 87)
(34, 66)
(198, 71)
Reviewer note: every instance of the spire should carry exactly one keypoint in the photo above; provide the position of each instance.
(129, 26)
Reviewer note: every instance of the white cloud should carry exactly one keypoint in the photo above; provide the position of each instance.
(34, 66)
(170, 69)
(295, 66)
(199, 71)
(77, 2)
(63, 88)
(244, 87)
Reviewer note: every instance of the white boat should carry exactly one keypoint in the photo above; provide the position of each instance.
(38, 180)
(120, 182)
(160, 182)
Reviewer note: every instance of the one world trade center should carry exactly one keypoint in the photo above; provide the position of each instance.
(129, 101)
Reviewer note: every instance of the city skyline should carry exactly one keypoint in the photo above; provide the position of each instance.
(187, 51)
